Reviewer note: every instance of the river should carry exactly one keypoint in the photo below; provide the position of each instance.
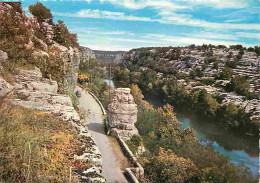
(239, 150)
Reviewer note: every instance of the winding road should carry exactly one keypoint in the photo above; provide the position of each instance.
(114, 160)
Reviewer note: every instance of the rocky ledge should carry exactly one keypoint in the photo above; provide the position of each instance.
(32, 91)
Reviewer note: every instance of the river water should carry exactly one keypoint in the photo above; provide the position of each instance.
(239, 150)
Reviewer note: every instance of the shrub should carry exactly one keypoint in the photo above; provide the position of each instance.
(14, 35)
(167, 167)
(40, 11)
(63, 36)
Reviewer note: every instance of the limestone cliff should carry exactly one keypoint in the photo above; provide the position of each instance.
(109, 56)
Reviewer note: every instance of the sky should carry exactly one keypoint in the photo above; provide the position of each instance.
(128, 24)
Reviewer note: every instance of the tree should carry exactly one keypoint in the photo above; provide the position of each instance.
(40, 11)
(238, 84)
(167, 167)
(226, 73)
(215, 65)
(137, 94)
(63, 36)
(257, 50)
(250, 49)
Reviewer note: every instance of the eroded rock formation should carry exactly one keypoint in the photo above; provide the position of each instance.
(122, 113)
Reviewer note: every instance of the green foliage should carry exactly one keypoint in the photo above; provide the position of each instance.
(121, 75)
(40, 11)
(238, 84)
(95, 81)
(257, 50)
(204, 103)
(208, 81)
(215, 65)
(226, 73)
(167, 167)
(196, 73)
(134, 143)
(63, 36)
(232, 64)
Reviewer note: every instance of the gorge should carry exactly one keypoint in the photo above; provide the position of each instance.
(243, 152)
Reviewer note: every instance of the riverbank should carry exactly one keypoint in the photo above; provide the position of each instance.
(243, 151)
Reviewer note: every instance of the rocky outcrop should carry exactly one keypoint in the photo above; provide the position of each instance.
(87, 54)
(34, 92)
(109, 56)
(122, 113)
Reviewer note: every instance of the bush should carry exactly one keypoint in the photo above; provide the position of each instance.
(40, 11)
(238, 84)
(14, 35)
(63, 36)
(134, 143)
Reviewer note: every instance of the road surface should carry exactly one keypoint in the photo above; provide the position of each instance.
(114, 160)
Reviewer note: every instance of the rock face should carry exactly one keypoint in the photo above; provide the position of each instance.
(86, 54)
(34, 92)
(122, 113)
(109, 56)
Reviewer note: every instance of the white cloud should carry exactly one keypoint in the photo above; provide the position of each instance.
(165, 17)
(212, 35)
(118, 33)
(220, 4)
(234, 20)
(168, 17)
(141, 4)
(249, 35)
(89, 13)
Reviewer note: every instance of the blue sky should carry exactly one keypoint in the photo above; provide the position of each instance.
(127, 24)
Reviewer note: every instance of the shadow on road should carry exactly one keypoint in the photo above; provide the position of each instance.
(96, 127)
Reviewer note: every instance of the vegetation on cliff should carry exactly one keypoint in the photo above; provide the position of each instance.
(27, 40)
(40, 11)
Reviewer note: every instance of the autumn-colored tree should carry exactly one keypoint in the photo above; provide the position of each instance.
(167, 167)
(137, 94)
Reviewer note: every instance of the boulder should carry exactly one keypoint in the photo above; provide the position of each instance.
(48, 86)
(5, 87)
(40, 54)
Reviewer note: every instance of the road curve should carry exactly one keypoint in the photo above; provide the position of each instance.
(94, 121)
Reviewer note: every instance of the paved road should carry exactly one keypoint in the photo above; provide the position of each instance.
(112, 161)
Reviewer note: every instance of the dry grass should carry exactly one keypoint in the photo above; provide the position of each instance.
(34, 146)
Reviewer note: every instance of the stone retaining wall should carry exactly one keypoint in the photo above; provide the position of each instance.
(133, 173)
